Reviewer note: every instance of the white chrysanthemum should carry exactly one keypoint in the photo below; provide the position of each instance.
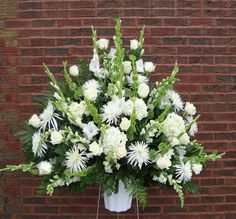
(114, 141)
(38, 145)
(193, 129)
(138, 154)
(75, 160)
(90, 130)
(173, 125)
(175, 99)
(140, 108)
(48, 117)
(113, 110)
(183, 171)
(141, 79)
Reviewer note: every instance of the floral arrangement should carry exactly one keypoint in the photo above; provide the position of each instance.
(106, 122)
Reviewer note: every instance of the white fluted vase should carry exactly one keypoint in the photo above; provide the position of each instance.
(120, 201)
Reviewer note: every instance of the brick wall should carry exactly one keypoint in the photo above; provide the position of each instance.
(199, 33)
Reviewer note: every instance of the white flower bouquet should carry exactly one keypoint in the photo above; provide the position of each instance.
(107, 123)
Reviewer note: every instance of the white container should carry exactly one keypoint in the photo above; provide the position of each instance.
(118, 202)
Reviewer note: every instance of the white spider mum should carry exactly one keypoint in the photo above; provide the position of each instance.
(175, 99)
(75, 160)
(184, 171)
(48, 117)
(193, 129)
(138, 154)
(38, 145)
(113, 110)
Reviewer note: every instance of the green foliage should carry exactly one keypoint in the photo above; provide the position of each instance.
(191, 187)
(132, 128)
(93, 111)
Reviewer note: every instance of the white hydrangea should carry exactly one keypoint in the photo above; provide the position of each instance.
(172, 126)
(114, 141)
(140, 108)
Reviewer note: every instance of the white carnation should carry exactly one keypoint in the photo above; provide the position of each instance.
(95, 149)
(149, 67)
(56, 137)
(197, 168)
(35, 121)
(190, 109)
(127, 67)
(74, 70)
(143, 90)
(125, 124)
(44, 167)
(134, 44)
(103, 44)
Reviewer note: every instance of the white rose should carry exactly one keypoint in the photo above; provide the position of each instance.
(44, 168)
(149, 67)
(184, 139)
(163, 162)
(121, 152)
(134, 44)
(127, 67)
(74, 70)
(56, 137)
(95, 149)
(143, 90)
(125, 124)
(190, 109)
(91, 93)
(102, 44)
(35, 121)
(197, 168)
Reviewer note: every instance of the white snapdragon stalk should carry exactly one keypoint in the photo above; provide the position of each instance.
(125, 124)
(103, 44)
(143, 90)
(44, 167)
(35, 121)
(127, 67)
(140, 66)
(190, 109)
(134, 44)
(56, 137)
(74, 70)
(149, 67)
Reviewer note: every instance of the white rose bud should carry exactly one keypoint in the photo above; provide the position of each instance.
(74, 70)
(197, 168)
(56, 137)
(149, 67)
(127, 67)
(121, 152)
(91, 93)
(125, 124)
(184, 139)
(35, 121)
(143, 90)
(44, 167)
(190, 109)
(102, 44)
(134, 44)
(163, 162)
(95, 149)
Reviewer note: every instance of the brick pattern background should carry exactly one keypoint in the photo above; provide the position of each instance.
(199, 33)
